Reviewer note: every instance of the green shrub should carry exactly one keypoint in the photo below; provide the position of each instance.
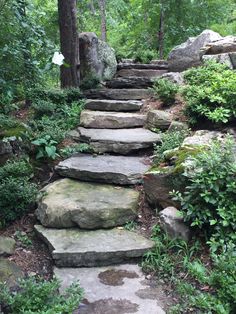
(209, 200)
(43, 107)
(17, 193)
(77, 148)
(89, 82)
(210, 93)
(10, 126)
(169, 140)
(40, 297)
(145, 56)
(165, 90)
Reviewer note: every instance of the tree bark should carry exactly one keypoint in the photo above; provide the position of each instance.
(102, 4)
(69, 43)
(161, 34)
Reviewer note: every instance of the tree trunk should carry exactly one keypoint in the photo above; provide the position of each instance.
(161, 34)
(69, 43)
(102, 4)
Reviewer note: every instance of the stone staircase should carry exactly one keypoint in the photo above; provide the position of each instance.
(82, 214)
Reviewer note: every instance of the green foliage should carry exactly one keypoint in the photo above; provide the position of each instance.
(46, 147)
(165, 90)
(210, 93)
(169, 140)
(17, 193)
(72, 149)
(23, 238)
(90, 82)
(38, 296)
(10, 126)
(43, 107)
(145, 56)
(209, 200)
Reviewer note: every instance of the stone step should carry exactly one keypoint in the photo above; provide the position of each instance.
(113, 105)
(114, 289)
(108, 169)
(76, 248)
(67, 203)
(121, 141)
(158, 65)
(111, 120)
(119, 94)
(130, 82)
(132, 73)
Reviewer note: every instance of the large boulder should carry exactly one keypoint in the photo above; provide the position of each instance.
(97, 59)
(7, 246)
(10, 273)
(158, 119)
(187, 54)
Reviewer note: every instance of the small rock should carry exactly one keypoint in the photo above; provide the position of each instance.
(177, 126)
(7, 246)
(202, 138)
(173, 224)
(174, 77)
(9, 273)
(158, 119)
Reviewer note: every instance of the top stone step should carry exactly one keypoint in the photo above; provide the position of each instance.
(158, 65)
(113, 105)
(118, 94)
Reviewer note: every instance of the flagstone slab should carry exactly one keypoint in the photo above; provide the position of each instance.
(113, 105)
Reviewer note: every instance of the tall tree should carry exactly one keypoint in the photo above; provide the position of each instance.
(161, 32)
(102, 4)
(67, 12)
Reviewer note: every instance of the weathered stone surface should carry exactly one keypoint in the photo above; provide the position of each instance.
(202, 138)
(158, 119)
(116, 289)
(158, 65)
(7, 246)
(140, 73)
(178, 126)
(130, 82)
(67, 203)
(221, 58)
(75, 248)
(221, 45)
(111, 120)
(175, 77)
(5, 148)
(121, 94)
(173, 224)
(113, 105)
(9, 273)
(187, 54)
(122, 141)
(108, 169)
(233, 59)
(157, 187)
(96, 57)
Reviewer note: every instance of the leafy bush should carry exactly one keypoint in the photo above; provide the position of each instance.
(10, 126)
(145, 56)
(17, 193)
(46, 147)
(40, 297)
(90, 81)
(165, 90)
(77, 148)
(209, 200)
(43, 107)
(169, 140)
(210, 93)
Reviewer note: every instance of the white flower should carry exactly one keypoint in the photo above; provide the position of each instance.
(58, 58)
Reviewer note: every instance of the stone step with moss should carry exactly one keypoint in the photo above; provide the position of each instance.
(105, 168)
(76, 248)
(113, 105)
(119, 94)
(121, 141)
(68, 203)
(111, 120)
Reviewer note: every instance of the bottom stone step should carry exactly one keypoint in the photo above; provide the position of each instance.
(114, 290)
(77, 248)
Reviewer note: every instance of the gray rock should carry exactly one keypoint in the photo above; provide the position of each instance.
(10, 273)
(172, 223)
(5, 148)
(114, 289)
(68, 203)
(120, 94)
(122, 141)
(157, 187)
(187, 54)
(233, 59)
(140, 73)
(7, 246)
(105, 169)
(202, 138)
(178, 126)
(76, 248)
(158, 119)
(174, 77)
(220, 45)
(113, 105)
(221, 58)
(96, 57)
(111, 120)
(130, 82)
(158, 65)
